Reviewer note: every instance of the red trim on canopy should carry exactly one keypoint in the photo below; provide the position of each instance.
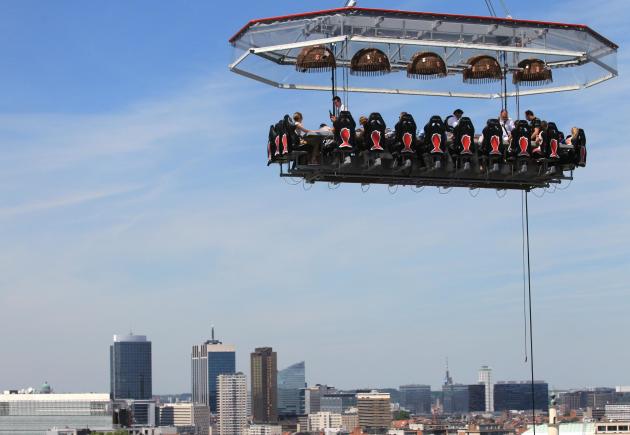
(456, 17)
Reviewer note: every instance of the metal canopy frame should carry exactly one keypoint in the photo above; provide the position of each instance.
(366, 28)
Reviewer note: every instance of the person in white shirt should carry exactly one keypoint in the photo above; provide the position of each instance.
(338, 107)
(451, 121)
(507, 125)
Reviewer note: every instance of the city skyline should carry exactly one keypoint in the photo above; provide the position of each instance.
(134, 195)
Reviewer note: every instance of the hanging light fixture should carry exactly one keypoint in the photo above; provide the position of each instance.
(532, 72)
(369, 62)
(426, 65)
(315, 59)
(483, 69)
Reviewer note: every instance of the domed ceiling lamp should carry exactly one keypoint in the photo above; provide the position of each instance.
(315, 59)
(532, 72)
(482, 69)
(426, 65)
(369, 62)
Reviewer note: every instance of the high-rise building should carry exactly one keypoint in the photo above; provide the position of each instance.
(337, 402)
(455, 398)
(517, 396)
(416, 398)
(476, 398)
(485, 378)
(130, 367)
(264, 371)
(208, 361)
(375, 412)
(311, 398)
(232, 404)
(290, 381)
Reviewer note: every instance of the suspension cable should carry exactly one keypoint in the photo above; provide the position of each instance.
(507, 12)
(523, 254)
(490, 8)
(531, 335)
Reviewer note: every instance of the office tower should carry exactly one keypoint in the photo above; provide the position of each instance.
(476, 398)
(323, 420)
(517, 396)
(337, 402)
(416, 398)
(264, 368)
(232, 404)
(290, 381)
(208, 361)
(311, 398)
(485, 378)
(374, 411)
(455, 398)
(130, 367)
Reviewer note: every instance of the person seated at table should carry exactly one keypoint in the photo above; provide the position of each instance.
(298, 120)
(325, 129)
(363, 123)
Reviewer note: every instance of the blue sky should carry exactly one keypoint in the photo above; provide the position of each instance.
(134, 195)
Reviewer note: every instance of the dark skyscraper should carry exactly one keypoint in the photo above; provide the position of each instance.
(130, 367)
(518, 396)
(416, 398)
(476, 398)
(264, 368)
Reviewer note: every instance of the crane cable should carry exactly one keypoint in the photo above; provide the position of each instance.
(529, 292)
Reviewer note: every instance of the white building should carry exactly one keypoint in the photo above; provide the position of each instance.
(26, 413)
(585, 428)
(323, 420)
(232, 404)
(485, 378)
(264, 429)
(617, 412)
(186, 415)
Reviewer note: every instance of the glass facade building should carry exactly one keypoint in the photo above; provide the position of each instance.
(455, 398)
(416, 398)
(208, 361)
(34, 414)
(476, 398)
(518, 396)
(130, 367)
(290, 381)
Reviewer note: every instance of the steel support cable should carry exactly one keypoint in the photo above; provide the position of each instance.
(523, 255)
(505, 9)
(531, 328)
